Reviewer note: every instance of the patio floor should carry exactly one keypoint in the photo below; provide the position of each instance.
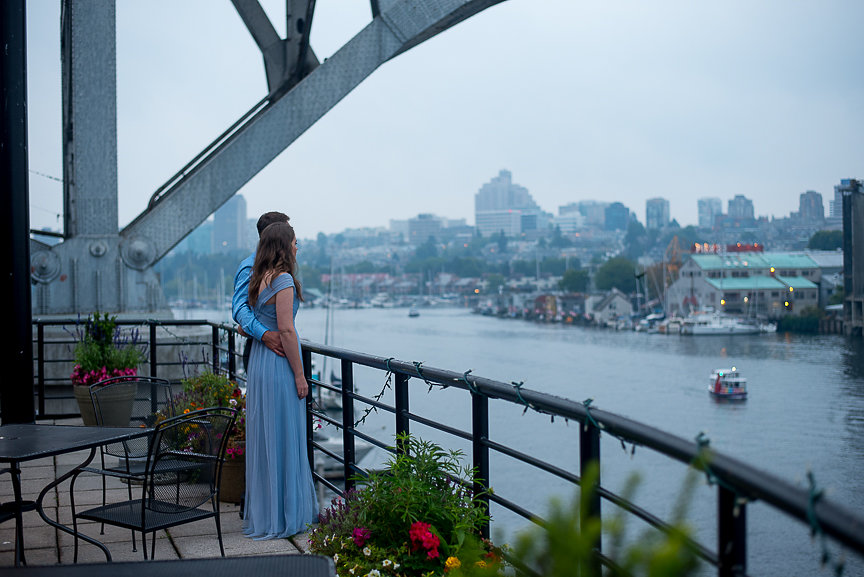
(45, 545)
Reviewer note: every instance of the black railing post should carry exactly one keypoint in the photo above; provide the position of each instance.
(589, 456)
(214, 348)
(480, 434)
(348, 422)
(40, 367)
(153, 364)
(402, 420)
(307, 372)
(232, 361)
(731, 534)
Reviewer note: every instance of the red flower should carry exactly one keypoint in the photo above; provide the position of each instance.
(421, 536)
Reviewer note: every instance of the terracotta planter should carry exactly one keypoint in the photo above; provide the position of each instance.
(116, 405)
(233, 484)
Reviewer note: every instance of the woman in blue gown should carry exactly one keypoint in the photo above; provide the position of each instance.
(280, 494)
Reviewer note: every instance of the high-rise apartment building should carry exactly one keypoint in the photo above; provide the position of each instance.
(501, 206)
(656, 213)
(709, 209)
(810, 208)
(617, 216)
(741, 207)
(229, 226)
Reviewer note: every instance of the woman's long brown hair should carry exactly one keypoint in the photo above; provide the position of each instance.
(274, 255)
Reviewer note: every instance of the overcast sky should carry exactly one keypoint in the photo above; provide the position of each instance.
(612, 100)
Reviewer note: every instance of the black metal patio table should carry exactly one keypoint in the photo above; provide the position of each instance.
(28, 442)
(260, 566)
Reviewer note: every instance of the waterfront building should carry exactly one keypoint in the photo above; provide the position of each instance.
(617, 217)
(709, 209)
(853, 255)
(607, 309)
(656, 213)
(763, 284)
(229, 226)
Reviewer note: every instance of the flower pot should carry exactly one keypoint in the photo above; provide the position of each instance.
(85, 404)
(115, 405)
(233, 484)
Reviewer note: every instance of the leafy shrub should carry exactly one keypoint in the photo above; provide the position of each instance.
(103, 351)
(412, 518)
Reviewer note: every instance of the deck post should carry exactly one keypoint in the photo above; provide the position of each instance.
(480, 434)
(589, 455)
(731, 534)
(348, 421)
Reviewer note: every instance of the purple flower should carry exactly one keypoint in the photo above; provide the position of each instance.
(361, 535)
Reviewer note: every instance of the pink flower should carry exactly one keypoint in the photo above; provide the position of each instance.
(422, 536)
(361, 535)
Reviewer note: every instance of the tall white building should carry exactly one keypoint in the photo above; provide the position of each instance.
(501, 206)
(709, 209)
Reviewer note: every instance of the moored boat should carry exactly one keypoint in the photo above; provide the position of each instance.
(713, 323)
(728, 384)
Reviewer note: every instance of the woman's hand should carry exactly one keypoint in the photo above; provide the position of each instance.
(302, 387)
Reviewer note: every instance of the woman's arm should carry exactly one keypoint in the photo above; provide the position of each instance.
(290, 342)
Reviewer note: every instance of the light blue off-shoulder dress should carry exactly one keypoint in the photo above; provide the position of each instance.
(280, 494)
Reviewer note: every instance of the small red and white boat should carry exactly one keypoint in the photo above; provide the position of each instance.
(728, 384)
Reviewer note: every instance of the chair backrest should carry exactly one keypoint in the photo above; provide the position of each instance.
(131, 402)
(185, 461)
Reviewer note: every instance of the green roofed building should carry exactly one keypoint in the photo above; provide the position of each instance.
(760, 284)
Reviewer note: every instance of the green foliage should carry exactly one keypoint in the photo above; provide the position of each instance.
(493, 283)
(566, 540)
(102, 345)
(826, 240)
(805, 322)
(616, 273)
(838, 297)
(574, 281)
(413, 518)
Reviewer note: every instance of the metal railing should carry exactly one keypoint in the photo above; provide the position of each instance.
(736, 482)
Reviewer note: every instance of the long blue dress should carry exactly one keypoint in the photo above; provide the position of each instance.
(280, 494)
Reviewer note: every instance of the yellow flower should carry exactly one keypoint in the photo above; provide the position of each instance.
(480, 564)
(452, 563)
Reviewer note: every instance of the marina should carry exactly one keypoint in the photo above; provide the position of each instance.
(812, 379)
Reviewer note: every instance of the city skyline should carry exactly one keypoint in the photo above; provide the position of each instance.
(619, 102)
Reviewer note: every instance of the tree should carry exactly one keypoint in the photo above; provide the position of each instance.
(635, 240)
(826, 240)
(501, 239)
(493, 283)
(558, 239)
(616, 273)
(574, 281)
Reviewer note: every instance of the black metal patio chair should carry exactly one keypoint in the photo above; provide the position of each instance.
(182, 473)
(129, 401)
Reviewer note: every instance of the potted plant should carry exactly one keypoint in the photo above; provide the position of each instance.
(209, 389)
(102, 352)
(412, 518)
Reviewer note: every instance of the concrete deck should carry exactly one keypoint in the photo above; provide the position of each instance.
(45, 545)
